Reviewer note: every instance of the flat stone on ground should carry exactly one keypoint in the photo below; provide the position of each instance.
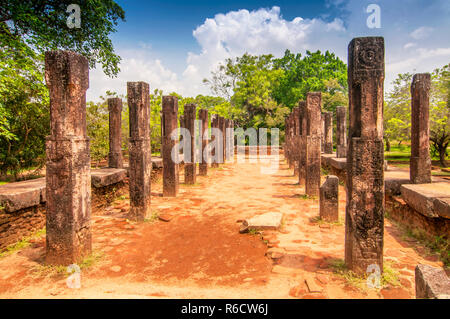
(19, 195)
(263, 222)
(107, 176)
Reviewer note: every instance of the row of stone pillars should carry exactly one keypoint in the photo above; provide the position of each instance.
(68, 175)
(364, 150)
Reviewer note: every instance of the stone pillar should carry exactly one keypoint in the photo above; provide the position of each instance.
(313, 142)
(291, 140)
(420, 161)
(140, 150)
(296, 139)
(364, 219)
(302, 142)
(68, 174)
(115, 158)
(190, 166)
(328, 132)
(329, 199)
(322, 143)
(171, 178)
(203, 166)
(286, 139)
(221, 127)
(341, 132)
(214, 125)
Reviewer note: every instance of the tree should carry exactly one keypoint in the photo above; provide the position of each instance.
(308, 74)
(440, 112)
(28, 28)
(397, 110)
(42, 25)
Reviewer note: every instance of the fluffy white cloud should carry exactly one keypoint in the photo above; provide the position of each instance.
(266, 31)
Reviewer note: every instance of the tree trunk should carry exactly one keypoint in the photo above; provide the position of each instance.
(388, 145)
(442, 154)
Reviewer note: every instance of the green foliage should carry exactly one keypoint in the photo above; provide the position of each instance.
(43, 26)
(314, 72)
(262, 90)
(397, 111)
(97, 121)
(24, 108)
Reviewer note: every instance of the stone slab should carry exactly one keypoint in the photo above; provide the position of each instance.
(431, 283)
(267, 221)
(107, 176)
(20, 195)
(431, 200)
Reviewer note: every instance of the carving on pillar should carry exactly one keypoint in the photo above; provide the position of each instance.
(365, 155)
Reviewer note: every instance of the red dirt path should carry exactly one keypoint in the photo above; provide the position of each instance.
(199, 253)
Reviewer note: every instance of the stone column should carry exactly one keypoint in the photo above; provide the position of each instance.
(171, 177)
(68, 174)
(286, 139)
(296, 139)
(221, 127)
(313, 142)
(365, 157)
(302, 142)
(329, 199)
(420, 161)
(190, 166)
(322, 143)
(203, 166)
(115, 158)
(291, 140)
(140, 150)
(328, 132)
(341, 132)
(214, 125)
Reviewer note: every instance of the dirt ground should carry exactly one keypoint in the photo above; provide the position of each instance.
(199, 252)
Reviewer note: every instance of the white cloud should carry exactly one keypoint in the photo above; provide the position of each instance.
(265, 31)
(421, 33)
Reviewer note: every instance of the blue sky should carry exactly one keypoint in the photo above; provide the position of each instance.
(173, 45)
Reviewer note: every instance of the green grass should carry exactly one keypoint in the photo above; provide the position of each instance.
(320, 221)
(153, 217)
(436, 245)
(390, 276)
(23, 243)
(304, 196)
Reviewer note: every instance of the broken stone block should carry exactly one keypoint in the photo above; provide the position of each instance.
(329, 199)
(267, 221)
(431, 283)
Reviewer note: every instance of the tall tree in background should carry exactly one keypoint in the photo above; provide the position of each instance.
(28, 28)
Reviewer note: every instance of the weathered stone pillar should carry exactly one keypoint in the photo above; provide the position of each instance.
(190, 166)
(214, 125)
(171, 178)
(322, 140)
(302, 142)
(341, 132)
(420, 161)
(291, 140)
(313, 142)
(296, 139)
(221, 127)
(286, 139)
(203, 166)
(365, 158)
(328, 132)
(115, 158)
(140, 150)
(68, 174)
(329, 199)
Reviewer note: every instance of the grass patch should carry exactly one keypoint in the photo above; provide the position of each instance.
(304, 196)
(324, 171)
(435, 245)
(154, 216)
(390, 276)
(320, 221)
(43, 270)
(23, 243)
(441, 173)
